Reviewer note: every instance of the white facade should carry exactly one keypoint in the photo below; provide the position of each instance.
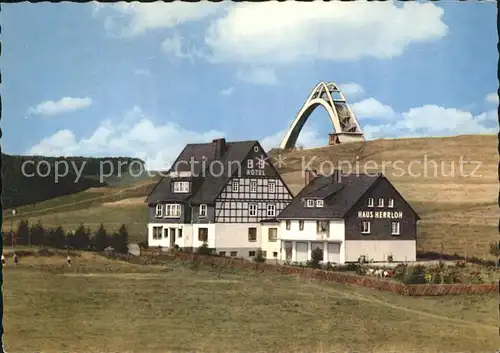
(297, 243)
(379, 250)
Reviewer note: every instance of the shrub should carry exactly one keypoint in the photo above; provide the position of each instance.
(205, 250)
(495, 249)
(22, 234)
(259, 257)
(414, 275)
(316, 257)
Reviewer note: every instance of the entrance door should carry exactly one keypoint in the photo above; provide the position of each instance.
(288, 251)
(172, 237)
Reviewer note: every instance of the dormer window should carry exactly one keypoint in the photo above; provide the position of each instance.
(181, 186)
(310, 203)
(235, 186)
(381, 202)
(261, 163)
(370, 202)
(250, 163)
(159, 210)
(319, 203)
(390, 203)
(203, 210)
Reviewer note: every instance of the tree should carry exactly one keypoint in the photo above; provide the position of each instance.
(81, 239)
(37, 234)
(316, 257)
(57, 238)
(101, 240)
(120, 240)
(22, 234)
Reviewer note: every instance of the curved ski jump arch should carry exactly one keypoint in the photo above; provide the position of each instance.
(329, 96)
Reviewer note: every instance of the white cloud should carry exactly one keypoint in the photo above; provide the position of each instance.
(433, 120)
(64, 105)
(275, 32)
(258, 76)
(134, 19)
(371, 108)
(351, 90)
(227, 92)
(173, 47)
(492, 98)
(142, 72)
(309, 137)
(135, 135)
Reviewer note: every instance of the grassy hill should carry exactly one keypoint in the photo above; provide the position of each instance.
(32, 179)
(459, 211)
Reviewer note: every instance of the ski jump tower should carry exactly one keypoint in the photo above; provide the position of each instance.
(344, 122)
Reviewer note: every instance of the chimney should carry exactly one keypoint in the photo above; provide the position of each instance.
(310, 174)
(220, 148)
(337, 176)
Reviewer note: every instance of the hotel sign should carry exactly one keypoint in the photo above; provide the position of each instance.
(255, 172)
(380, 214)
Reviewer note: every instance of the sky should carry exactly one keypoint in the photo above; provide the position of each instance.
(143, 80)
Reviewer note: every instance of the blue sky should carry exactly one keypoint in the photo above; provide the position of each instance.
(143, 80)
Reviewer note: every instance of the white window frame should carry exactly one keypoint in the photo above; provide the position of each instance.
(256, 148)
(271, 207)
(181, 186)
(203, 210)
(172, 210)
(309, 203)
(288, 224)
(253, 186)
(319, 203)
(250, 163)
(157, 233)
(273, 183)
(272, 239)
(249, 239)
(398, 232)
(235, 186)
(390, 203)
(363, 226)
(159, 211)
(262, 163)
(371, 202)
(252, 207)
(380, 202)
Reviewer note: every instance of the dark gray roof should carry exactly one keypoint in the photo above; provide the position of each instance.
(206, 184)
(339, 197)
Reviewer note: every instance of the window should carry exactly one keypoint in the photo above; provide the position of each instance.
(251, 253)
(157, 232)
(370, 202)
(310, 203)
(365, 228)
(272, 234)
(271, 186)
(301, 225)
(158, 210)
(222, 253)
(181, 186)
(395, 228)
(234, 253)
(252, 210)
(179, 233)
(253, 186)
(271, 210)
(288, 224)
(252, 234)
(322, 226)
(203, 210)
(262, 163)
(250, 163)
(235, 186)
(319, 203)
(275, 254)
(172, 210)
(256, 149)
(203, 234)
(380, 202)
(390, 203)
(165, 233)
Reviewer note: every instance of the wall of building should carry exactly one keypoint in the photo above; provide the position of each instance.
(378, 250)
(184, 241)
(271, 248)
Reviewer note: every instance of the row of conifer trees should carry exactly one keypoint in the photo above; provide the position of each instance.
(80, 239)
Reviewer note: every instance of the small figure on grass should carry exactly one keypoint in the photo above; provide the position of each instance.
(68, 260)
(3, 260)
(16, 259)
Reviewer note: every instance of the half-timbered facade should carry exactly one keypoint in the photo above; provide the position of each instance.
(221, 193)
(348, 217)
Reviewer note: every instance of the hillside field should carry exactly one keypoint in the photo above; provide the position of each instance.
(50, 307)
(459, 210)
